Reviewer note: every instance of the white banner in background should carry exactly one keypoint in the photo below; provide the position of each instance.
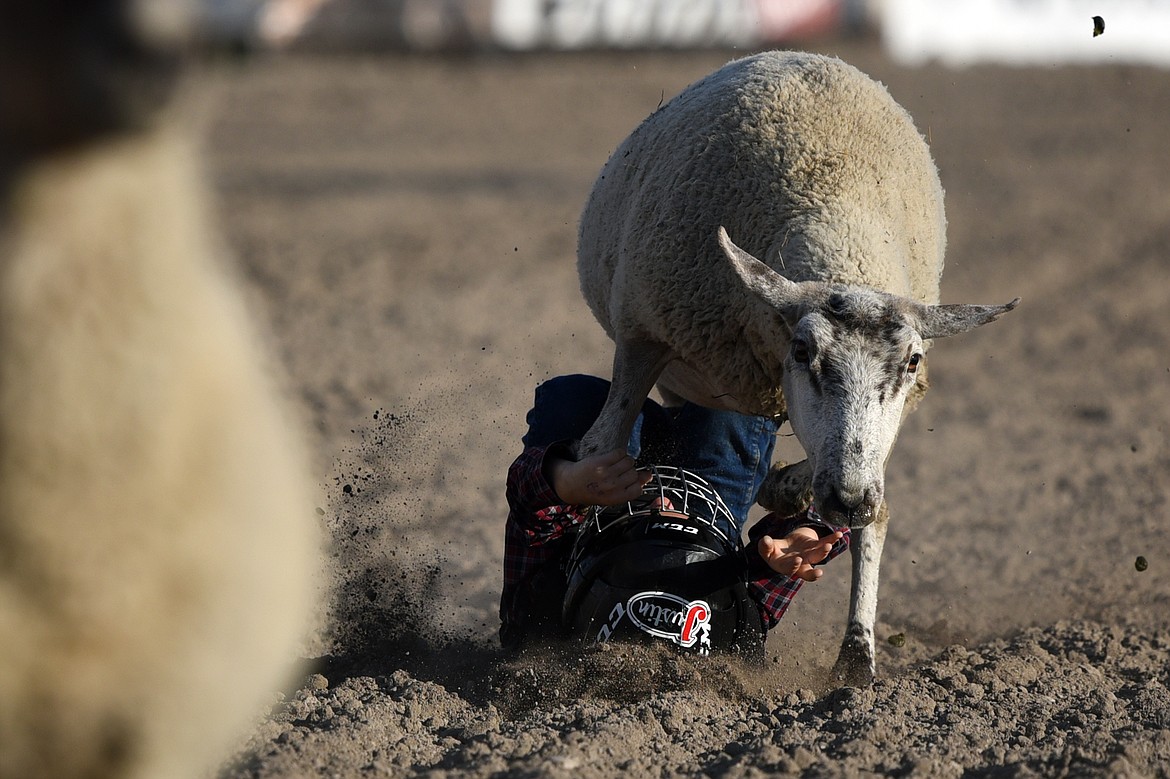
(577, 24)
(1026, 32)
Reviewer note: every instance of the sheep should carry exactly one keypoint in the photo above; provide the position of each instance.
(158, 543)
(822, 318)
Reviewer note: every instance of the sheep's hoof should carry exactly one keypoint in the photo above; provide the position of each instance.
(787, 489)
(855, 664)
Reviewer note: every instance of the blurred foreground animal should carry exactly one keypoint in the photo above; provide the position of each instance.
(157, 536)
(823, 318)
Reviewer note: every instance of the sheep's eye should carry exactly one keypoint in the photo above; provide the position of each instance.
(800, 352)
(912, 363)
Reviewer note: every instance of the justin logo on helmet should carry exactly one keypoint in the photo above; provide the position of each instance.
(668, 616)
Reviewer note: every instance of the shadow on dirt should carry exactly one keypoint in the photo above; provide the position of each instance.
(374, 640)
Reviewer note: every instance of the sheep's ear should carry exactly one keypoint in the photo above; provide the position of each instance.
(941, 321)
(758, 277)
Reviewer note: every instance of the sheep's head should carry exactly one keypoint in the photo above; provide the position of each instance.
(853, 357)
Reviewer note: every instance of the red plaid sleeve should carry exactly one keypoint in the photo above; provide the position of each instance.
(773, 592)
(538, 528)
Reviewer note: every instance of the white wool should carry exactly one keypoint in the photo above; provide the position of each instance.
(157, 535)
(809, 164)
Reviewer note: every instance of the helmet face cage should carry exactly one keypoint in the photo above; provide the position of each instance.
(673, 490)
(667, 565)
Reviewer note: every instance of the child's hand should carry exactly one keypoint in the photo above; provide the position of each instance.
(601, 480)
(797, 553)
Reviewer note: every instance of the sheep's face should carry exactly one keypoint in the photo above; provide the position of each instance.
(852, 362)
(853, 357)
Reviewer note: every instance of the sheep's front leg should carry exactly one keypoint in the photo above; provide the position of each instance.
(855, 665)
(636, 366)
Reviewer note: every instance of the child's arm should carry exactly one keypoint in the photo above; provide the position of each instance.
(795, 554)
(544, 481)
(778, 568)
(601, 480)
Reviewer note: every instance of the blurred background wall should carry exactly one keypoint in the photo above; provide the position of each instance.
(955, 32)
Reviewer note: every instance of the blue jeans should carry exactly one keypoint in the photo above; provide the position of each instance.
(731, 451)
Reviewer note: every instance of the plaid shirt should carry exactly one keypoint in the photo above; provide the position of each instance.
(540, 530)
(774, 592)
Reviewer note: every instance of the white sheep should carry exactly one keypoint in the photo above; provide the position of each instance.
(157, 533)
(814, 168)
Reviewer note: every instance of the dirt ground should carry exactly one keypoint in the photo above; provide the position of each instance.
(406, 229)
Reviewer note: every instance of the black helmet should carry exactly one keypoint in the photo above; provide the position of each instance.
(665, 566)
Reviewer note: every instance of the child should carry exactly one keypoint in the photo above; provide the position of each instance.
(549, 494)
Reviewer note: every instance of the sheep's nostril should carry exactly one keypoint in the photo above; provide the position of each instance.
(855, 509)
